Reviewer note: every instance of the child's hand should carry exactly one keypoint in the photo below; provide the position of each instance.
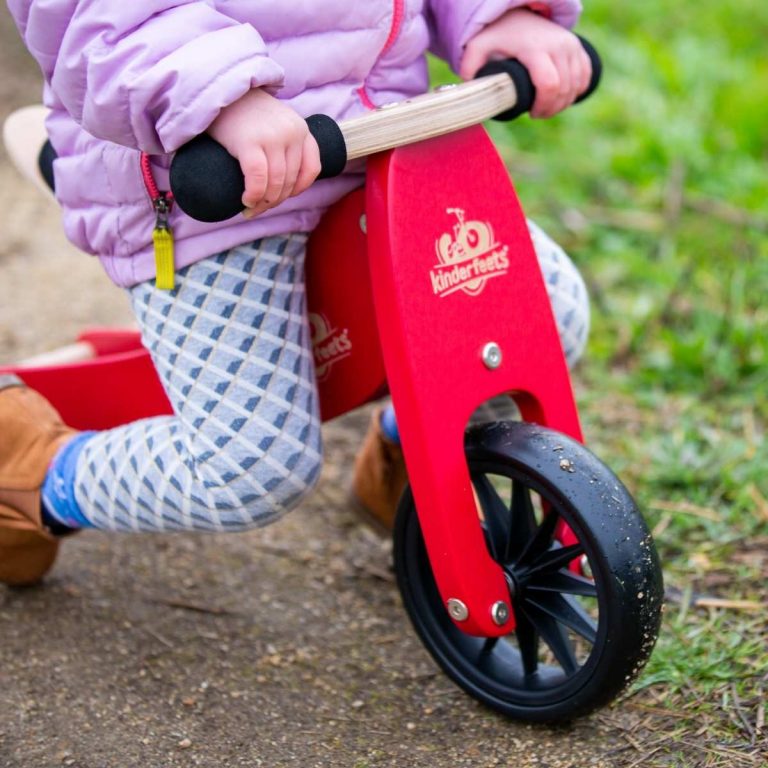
(559, 67)
(278, 156)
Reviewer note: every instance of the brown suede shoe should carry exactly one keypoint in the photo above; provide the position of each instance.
(379, 478)
(31, 432)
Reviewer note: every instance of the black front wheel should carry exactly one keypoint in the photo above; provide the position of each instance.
(586, 614)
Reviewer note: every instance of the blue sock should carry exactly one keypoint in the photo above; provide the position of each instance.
(389, 424)
(60, 508)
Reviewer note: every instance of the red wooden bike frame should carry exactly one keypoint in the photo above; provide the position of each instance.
(424, 284)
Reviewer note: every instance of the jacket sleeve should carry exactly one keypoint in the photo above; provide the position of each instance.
(453, 23)
(148, 74)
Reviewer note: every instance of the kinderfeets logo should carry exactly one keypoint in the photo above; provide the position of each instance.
(329, 345)
(468, 257)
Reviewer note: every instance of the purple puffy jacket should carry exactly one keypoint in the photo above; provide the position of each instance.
(124, 76)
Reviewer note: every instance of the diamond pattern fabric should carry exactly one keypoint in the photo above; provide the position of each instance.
(231, 345)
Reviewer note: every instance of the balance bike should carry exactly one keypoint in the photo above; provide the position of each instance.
(523, 562)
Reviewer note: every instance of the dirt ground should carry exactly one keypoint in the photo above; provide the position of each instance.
(283, 647)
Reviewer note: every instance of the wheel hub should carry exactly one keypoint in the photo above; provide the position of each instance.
(513, 584)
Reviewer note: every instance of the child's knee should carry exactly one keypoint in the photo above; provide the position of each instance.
(570, 302)
(567, 293)
(287, 487)
(254, 491)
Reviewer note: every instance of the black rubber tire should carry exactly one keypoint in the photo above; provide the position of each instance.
(625, 589)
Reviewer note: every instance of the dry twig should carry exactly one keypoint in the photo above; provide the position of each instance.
(686, 508)
(737, 705)
(194, 607)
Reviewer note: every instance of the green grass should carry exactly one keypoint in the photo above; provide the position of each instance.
(657, 187)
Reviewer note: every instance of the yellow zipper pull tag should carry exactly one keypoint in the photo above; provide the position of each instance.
(162, 237)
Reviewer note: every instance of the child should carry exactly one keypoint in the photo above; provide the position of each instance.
(230, 340)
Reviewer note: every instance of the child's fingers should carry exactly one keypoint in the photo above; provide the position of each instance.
(277, 176)
(292, 168)
(255, 168)
(546, 77)
(568, 88)
(575, 70)
(581, 67)
(310, 165)
(472, 61)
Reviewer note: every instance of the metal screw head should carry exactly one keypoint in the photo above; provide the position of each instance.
(491, 355)
(457, 610)
(500, 613)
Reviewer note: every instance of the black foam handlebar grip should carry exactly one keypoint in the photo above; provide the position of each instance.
(207, 182)
(526, 91)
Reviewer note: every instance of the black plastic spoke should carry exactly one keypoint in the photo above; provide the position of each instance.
(542, 539)
(567, 611)
(488, 645)
(555, 559)
(523, 525)
(553, 634)
(496, 516)
(527, 642)
(563, 582)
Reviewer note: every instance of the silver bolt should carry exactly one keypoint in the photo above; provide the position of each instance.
(364, 224)
(500, 613)
(457, 610)
(491, 355)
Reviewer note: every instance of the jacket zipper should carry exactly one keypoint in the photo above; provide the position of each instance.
(398, 14)
(162, 235)
(397, 22)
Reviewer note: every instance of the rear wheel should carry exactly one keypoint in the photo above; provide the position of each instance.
(587, 614)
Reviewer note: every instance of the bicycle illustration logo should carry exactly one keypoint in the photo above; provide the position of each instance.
(468, 257)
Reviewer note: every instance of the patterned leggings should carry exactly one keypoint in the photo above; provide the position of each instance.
(231, 345)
